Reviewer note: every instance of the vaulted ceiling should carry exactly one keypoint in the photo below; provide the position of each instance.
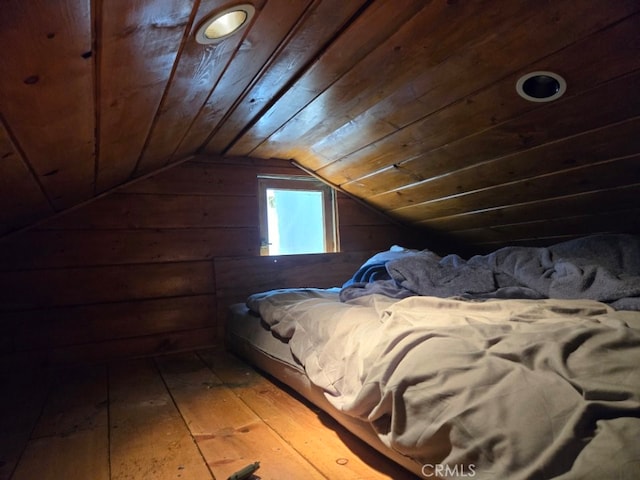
(409, 105)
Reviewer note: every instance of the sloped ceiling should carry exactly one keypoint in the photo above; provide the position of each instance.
(409, 105)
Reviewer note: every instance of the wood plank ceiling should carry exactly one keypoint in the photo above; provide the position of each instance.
(409, 105)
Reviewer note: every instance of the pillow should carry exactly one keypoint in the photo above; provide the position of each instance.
(375, 267)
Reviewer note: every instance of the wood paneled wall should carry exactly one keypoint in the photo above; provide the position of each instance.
(152, 266)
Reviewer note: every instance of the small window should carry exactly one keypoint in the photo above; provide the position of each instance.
(297, 215)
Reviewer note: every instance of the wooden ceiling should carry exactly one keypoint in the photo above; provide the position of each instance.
(409, 105)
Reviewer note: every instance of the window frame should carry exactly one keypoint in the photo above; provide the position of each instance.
(304, 183)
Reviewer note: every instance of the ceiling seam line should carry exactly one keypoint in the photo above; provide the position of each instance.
(302, 71)
(25, 161)
(474, 92)
(167, 88)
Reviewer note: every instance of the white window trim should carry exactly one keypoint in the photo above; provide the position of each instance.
(299, 182)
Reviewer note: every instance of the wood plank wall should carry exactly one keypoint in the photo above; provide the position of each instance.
(144, 269)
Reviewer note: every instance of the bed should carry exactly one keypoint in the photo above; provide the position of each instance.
(520, 364)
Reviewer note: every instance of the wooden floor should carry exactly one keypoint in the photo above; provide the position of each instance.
(199, 415)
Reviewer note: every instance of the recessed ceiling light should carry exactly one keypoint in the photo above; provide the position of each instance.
(224, 23)
(541, 86)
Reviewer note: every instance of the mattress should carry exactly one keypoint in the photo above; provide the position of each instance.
(514, 389)
(247, 336)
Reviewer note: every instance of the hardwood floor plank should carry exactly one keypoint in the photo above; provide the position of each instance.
(68, 458)
(78, 401)
(173, 419)
(70, 440)
(229, 434)
(148, 436)
(19, 413)
(314, 434)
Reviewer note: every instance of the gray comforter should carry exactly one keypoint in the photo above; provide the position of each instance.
(522, 389)
(600, 267)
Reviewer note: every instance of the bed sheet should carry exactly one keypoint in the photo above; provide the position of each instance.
(523, 388)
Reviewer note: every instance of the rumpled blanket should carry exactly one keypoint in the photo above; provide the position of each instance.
(522, 389)
(605, 268)
(425, 273)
